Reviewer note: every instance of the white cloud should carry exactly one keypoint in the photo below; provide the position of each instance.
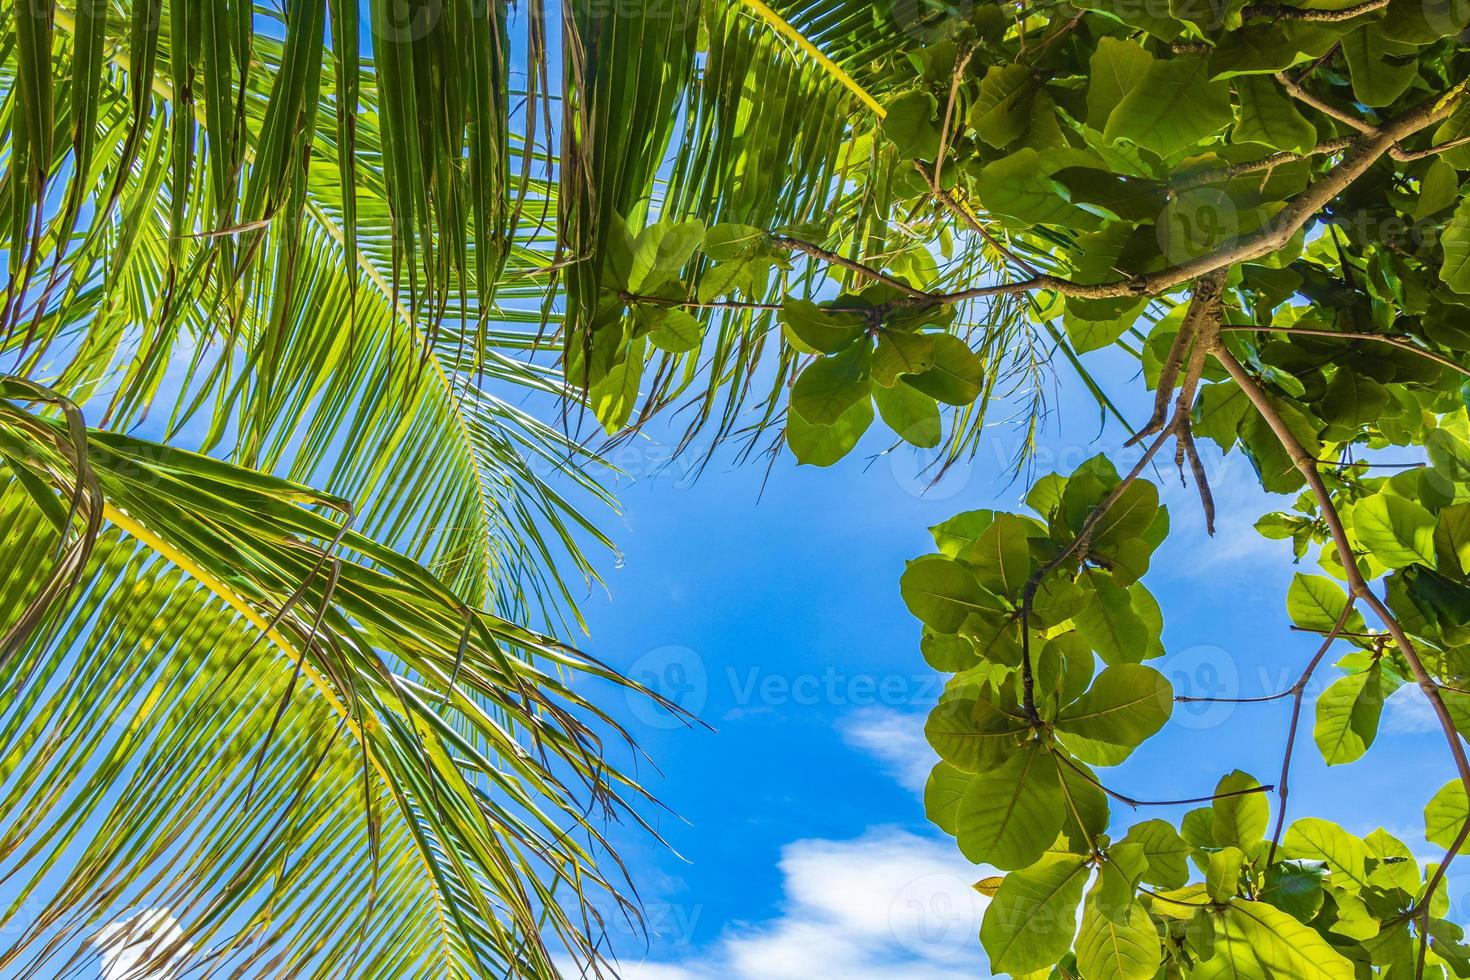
(1239, 503)
(129, 946)
(889, 904)
(1407, 712)
(896, 739)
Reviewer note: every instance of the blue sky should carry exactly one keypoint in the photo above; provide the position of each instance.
(771, 608)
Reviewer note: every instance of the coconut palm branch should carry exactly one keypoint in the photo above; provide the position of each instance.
(299, 721)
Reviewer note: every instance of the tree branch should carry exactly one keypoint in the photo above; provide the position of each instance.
(1296, 91)
(1130, 801)
(1281, 11)
(1297, 691)
(1403, 343)
(1358, 586)
(1407, 156)
(1217, 174)
(919, 297)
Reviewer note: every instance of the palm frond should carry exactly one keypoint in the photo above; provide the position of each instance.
(269, 681)
(282, 336)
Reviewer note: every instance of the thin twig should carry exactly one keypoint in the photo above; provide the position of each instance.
(1281, 11)
(683, 304)
(1408, 156)
(961, 63)
(1297, 691)
(851, 265)
(1402, 343)
(1130, 801)
(1296, 91)
(1268, 162)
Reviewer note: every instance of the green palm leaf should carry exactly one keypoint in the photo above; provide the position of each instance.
(271, 682)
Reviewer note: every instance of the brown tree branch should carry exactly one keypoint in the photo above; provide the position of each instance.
(1130, 801)
(1407, 156)
(963, 212)
(1358, 586)
(1281, 11)
(689, 304)
(1296, 91)
(1218, 174)
(918, 296)
(1403, 343)
(1298, 690)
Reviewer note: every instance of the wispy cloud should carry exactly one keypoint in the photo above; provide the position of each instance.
(894, 738)
(889, 904)
(1407, 712)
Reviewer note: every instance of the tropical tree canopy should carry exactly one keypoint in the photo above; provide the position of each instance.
(286, 554)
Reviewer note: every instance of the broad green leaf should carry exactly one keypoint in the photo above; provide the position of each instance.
(1110, 624)
(1240, 816)
(1030, 922)
(1219, 413)
(1091, 335)
(1116, 66)
(616, 395)
(1117, 880)
(1456, 241)
(1087, 811)
(1266, 48)
(1315, 602)
(1295, 887)
(957, 376)
(1123, 946)
(1166, 852)
(1018, 187)
(1283, 945)
(909, 124)
(1057, 600)
(1381, 68)
(1012, 813)
(830, 386)
(954, 536)
(814, 330)
(1126, 704)
(1172, 107)
(948, 654)
(1452, 538)
(1001, 556)
(1353, 399)
(1222, 873)
(1454, 128)
(726, 241)
(1347, 715)
(1130, 516)
(972, 734)
(824, 445)
(1439, 188)
(1045, 495)
(900, 354)
(676, 331)
(1449, 454)
(942, 794)
(1269, 117)
(1446, 813)
(911, 414)
(942, 593)
(1002, 111)
(1322, 840)
(1398, 531)
(661, 250)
